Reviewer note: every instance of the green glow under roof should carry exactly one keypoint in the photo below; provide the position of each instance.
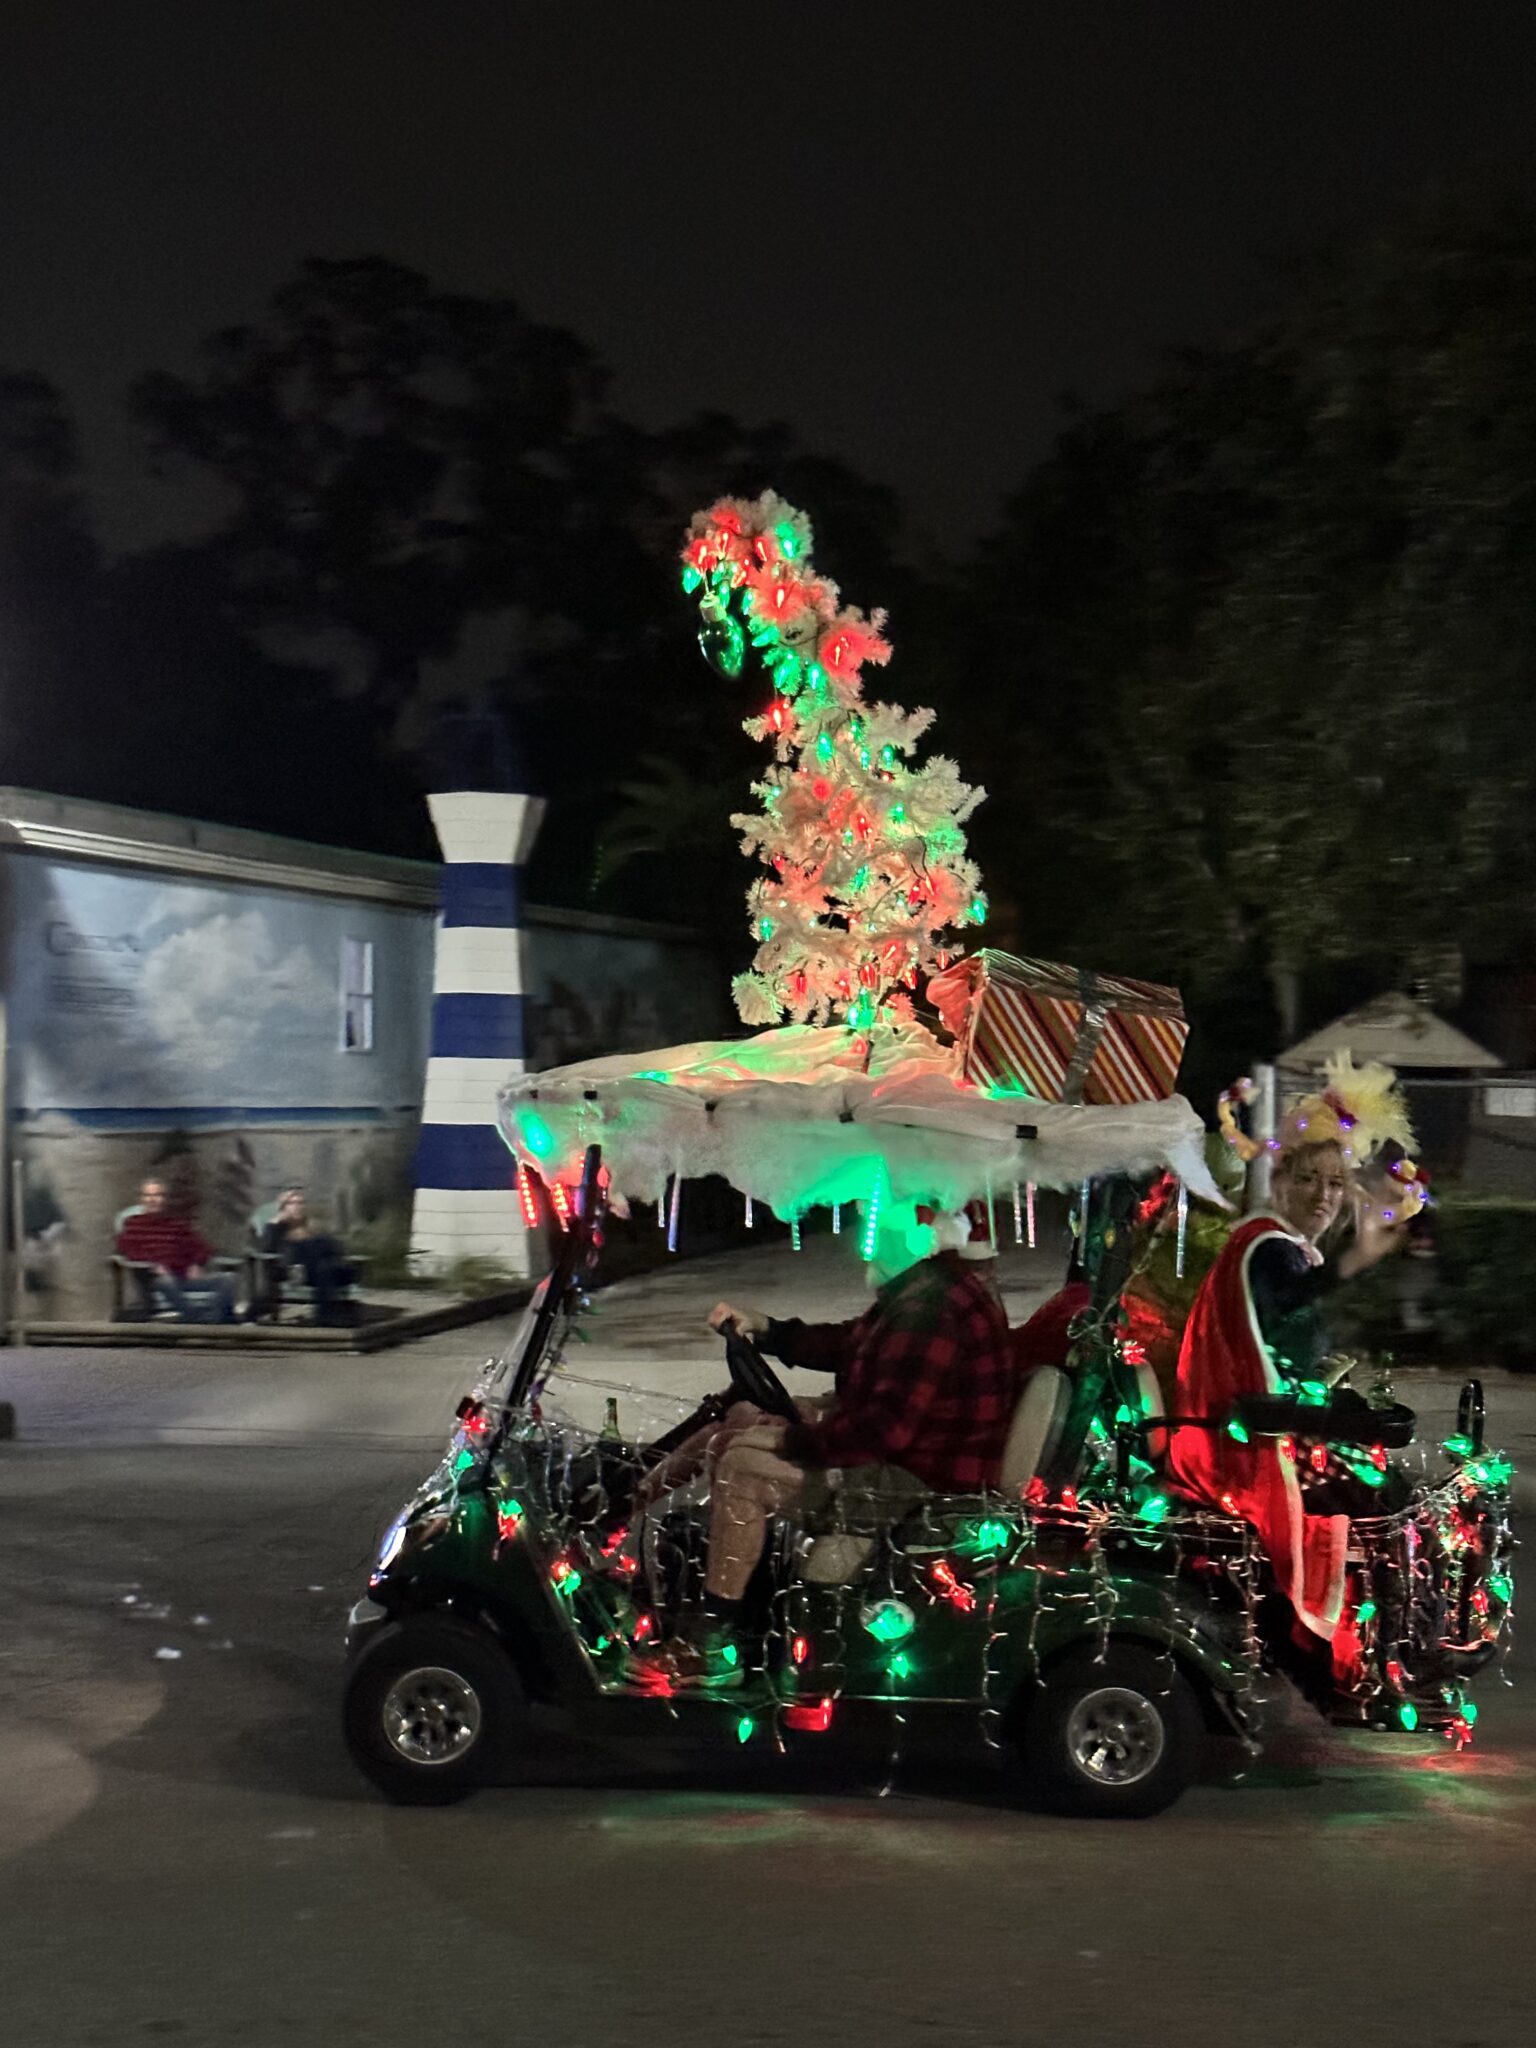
(536, 1134)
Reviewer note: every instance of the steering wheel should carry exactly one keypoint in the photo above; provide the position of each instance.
(754, 1378)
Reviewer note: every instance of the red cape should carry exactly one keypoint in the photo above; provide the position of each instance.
(1223, 1357)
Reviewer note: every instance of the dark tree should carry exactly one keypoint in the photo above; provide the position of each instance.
(395, 461)
(1264, 637)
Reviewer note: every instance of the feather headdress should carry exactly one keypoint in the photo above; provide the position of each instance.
(1360, 1110)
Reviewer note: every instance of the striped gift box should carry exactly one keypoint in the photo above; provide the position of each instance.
(1063, 1035)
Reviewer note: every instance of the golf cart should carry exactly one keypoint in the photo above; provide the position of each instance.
(1084, 1624)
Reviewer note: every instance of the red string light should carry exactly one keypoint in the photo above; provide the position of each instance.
(810, 1719)
(957, 1594)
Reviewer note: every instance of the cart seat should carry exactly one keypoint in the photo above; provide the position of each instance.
(1038, 1418)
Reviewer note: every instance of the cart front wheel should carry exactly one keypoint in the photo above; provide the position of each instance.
(430, 1706)
(1115, 1737)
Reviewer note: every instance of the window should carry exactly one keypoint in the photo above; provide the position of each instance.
(1507, 1101)
(357, 995)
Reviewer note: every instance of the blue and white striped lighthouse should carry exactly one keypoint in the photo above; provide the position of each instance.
(466, 1205)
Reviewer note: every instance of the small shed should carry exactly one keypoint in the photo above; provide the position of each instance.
(1397, 1028)
(1441, 1068)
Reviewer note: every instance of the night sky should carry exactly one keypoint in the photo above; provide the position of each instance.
(905, 229)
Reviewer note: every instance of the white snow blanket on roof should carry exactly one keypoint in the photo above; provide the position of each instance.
(799, 1117)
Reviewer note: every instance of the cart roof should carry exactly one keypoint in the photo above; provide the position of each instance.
(804, 1116)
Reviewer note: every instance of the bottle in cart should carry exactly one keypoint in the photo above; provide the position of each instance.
(610, 1433)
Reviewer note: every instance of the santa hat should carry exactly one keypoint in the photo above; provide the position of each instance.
(966, 1231)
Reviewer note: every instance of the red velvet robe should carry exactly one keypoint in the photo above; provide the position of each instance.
(1224, 1356)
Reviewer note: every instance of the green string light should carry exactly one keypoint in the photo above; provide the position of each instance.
(1408, 1715)
(744, 1728)
(890, 1622)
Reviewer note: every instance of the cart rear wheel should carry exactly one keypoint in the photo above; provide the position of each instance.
(1115, 1737)
(431, 1704)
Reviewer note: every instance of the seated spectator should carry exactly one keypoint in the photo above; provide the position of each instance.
(179, 1257)
(292, 1237)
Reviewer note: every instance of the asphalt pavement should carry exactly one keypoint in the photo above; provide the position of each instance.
(186, 1853)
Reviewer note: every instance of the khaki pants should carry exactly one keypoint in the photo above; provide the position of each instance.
(752, 1483)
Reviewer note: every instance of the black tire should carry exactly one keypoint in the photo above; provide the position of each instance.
(468, 1700)
(1134, 1709)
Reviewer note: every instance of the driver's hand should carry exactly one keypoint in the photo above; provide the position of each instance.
(751, 1322)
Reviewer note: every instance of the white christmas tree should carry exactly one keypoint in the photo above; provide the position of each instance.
(865, 852)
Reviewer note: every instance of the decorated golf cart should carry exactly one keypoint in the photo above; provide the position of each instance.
(1084, 1619)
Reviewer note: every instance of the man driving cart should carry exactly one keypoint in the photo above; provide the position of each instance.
(925, 1392)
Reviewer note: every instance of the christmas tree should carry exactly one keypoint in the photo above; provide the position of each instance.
(864, 850)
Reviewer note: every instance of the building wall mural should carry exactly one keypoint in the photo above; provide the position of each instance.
(600, 992)
(195, 1031)
(133, 992)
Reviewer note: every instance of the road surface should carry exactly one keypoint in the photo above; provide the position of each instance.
(186, 1854)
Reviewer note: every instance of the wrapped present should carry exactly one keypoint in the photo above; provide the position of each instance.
(1059, 1033)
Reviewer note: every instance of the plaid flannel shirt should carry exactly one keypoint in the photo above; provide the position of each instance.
(925, 1379)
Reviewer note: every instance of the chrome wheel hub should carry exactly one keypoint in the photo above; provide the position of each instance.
(1115, 1735)
(431, 1715)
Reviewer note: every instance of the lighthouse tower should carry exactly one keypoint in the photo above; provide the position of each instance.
(466, 1205)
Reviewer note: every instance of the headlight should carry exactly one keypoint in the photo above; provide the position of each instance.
(394, 1541)
(407, 1533)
